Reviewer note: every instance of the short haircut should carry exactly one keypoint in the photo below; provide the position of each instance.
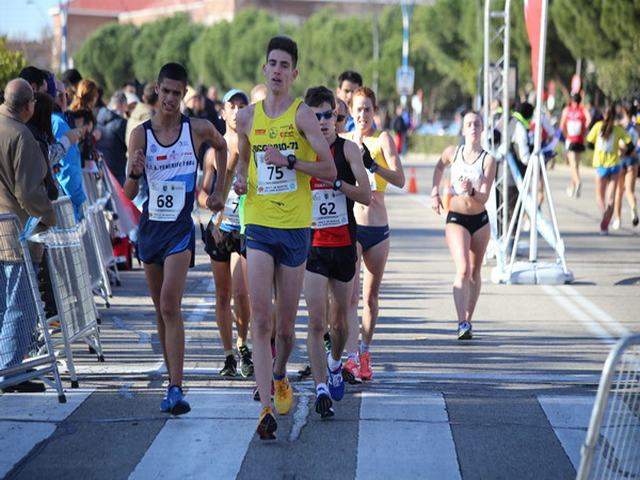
(576, 97)
(71, 77)
(173, 71)
(350, 76)
(526, 110)
(316, 96)
(285, 44)
(33, 75)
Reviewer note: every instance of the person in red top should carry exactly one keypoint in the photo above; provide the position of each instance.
(573, 123)
(331, 264)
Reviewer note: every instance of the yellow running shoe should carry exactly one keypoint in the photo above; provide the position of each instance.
(266, 424)
(284, 396)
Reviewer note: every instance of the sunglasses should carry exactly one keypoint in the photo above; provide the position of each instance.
(326, 115)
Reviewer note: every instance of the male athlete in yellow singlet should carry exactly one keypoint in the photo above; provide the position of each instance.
(278, 140)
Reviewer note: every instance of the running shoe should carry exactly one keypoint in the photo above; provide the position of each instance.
(164, 405)
(324, 406)
(256, 393)
(615, 225)
(283, 398)
(336, 382)
(305, 372)
(351, 371)
(464, 331)
(327, 342)
(246, 362)
(176, 402)
(569, 191)
(230, 368)
(606, 218)
(366, 373)
(576, 192)
(634, 217)
(266, 424)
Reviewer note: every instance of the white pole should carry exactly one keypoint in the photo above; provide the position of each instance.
(506, 140)
(537, 139)
(485, 71)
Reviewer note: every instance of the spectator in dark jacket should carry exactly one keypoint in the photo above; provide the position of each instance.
(113, 127)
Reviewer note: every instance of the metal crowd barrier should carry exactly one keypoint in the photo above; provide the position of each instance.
(76, 309)
(22, 356)
(612, 446)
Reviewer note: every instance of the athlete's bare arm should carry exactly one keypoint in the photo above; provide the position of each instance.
(394, 174)
(361, 192)
(563, 121)
(205, 132)
(482, 194)
(136, 161)
(244, 122)
(209, 168)
(443, 162)
(324, 167)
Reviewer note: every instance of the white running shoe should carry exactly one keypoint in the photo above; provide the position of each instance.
(615, 225)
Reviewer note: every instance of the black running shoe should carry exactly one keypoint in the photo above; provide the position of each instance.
(327, 342)
(324, 405)
(246, 363)
(230, 368)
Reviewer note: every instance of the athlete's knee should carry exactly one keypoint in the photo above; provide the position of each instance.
(223, 295)
(261, 327)
(463, 272)
(371, 301)
(169, 309)
(476, 275)
(317, 327)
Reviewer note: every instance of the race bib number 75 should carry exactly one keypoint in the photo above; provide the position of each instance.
(272, 179)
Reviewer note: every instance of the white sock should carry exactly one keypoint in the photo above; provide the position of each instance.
(333, 364)
(321, 388)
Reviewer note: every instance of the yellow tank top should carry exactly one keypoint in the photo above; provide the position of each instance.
(276, 196)
(377, 183)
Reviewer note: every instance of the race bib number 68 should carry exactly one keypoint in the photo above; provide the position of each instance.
(166, 200)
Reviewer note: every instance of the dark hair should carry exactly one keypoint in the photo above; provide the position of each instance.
(285, 44)
(41, 118)
(33, 75)
(576, 97)
(173, 71)
(526, 110)
(609, 120)
(71, 77)
(316, 96)
(350, 76)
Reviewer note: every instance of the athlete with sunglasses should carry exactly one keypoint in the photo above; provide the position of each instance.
(331, 265)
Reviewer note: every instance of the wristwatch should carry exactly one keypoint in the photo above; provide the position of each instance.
(133, 176)
(337, 184)
(374, 166)
(291, 158)
(473, 192)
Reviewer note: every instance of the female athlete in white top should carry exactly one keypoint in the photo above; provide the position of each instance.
(467, 228)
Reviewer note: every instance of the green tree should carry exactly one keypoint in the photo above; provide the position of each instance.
(106, 55)
(175, 47)
(605, 33)
(208, 55)
(147, 48)
(10, 63)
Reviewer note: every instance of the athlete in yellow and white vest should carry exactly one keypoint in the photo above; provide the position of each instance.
(278, 140)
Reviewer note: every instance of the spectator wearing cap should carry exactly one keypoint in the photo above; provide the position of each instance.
(23, 193)
(112, 124)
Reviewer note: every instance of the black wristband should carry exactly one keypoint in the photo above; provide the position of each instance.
(366, 157)
(473, 192)
(132, 176)
(291, 159)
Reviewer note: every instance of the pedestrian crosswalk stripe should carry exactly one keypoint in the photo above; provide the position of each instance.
(569, 416)
(405, 436)
(29, 418)
(209, 442)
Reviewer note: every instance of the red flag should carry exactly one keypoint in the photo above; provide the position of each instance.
(532, 16)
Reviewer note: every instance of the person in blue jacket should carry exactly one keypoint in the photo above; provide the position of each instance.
(69, 174)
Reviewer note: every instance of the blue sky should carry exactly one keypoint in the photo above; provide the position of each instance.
(25, 18)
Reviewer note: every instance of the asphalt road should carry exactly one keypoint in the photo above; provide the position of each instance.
(512, 403)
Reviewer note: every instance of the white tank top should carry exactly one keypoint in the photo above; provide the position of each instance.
(460, 171)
